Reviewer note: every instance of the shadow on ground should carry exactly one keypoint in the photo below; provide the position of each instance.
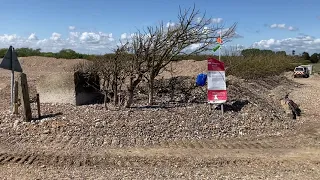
(48, 116)
(235, 106)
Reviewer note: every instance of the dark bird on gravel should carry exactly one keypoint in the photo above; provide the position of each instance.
(296, 111)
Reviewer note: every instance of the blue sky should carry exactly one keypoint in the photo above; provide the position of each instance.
(52, 25)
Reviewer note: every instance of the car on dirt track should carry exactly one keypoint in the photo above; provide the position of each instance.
(301, 71)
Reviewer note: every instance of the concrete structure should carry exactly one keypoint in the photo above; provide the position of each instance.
(70, 88)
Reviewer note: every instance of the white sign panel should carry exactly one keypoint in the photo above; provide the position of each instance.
(216, 80)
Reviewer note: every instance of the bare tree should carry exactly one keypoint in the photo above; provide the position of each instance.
(111, 70)
(190, 35)
(148, 53)
(137, 65)
(119, 68)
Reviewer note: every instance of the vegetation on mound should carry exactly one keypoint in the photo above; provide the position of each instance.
(259, 66)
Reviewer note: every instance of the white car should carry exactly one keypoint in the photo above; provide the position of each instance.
(301, 71)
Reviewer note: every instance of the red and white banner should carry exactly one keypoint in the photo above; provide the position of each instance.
(217, 89)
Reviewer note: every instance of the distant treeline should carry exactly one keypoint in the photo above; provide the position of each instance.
(71, 54)
(258, 52)
(64, 53)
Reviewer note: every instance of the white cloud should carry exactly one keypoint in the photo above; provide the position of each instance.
(216, 20)
(170, 24)
(124, 36)
(193, 47)
(89, 37)
(291, 28)
(8, 38)
(280, 26)
(55, 36)
(128, 36)
(283, 26)
(273, 26)
(105, 37)
(32, 37)
(212, 20)
(73, 36)
(299, 44)
(84, 42)
(72, 28)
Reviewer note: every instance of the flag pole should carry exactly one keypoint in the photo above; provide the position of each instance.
(220, 47)
(220, 60)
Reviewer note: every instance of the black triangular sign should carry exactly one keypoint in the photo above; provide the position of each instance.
(10, 61)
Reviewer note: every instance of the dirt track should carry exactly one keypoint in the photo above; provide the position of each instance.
(60, 155)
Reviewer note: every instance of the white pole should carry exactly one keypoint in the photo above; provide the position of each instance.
(220, 60)
(220, 47)
(12, 80)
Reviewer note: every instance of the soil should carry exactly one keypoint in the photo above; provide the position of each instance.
(182, 141)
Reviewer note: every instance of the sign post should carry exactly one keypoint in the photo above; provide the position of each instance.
(217, 89)
(11, 62)
(12, 82)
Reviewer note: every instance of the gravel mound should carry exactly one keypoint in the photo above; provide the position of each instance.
(251, 110)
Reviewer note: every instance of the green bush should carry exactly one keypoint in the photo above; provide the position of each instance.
(314, 58)
(257, 52)
(305, 56)
(24, 52)
(253, 67)
(3, 52)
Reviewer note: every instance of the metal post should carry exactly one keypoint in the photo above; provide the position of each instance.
(222, 111)
(12, 91)
(220, 60)
(38, 106)
(12, 81)
(220, 47)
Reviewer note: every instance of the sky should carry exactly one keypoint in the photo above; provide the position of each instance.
(96, 26)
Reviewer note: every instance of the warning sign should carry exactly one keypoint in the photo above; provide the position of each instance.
(10, 61)
(217, 89)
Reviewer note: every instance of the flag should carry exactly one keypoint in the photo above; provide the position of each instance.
(219, 40)
(216, 48)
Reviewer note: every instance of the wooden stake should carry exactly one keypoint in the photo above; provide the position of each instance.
(15, 99)
(38, 106)
(12, 89)
(25, 99)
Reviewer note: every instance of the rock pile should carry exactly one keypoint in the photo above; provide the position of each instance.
(253, 109)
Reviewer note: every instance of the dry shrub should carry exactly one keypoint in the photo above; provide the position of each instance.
(260, 66)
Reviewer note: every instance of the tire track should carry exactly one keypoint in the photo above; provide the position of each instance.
(24, 159)
(66, 142)
(131, 160)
